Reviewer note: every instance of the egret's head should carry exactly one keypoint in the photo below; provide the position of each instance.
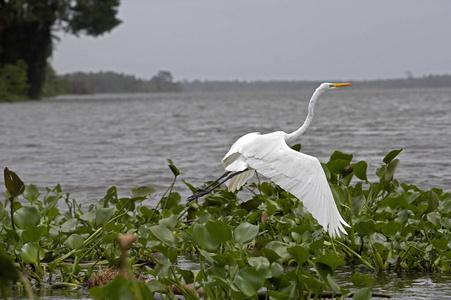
(330, 86)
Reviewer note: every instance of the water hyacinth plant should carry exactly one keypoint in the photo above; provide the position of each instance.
(266, 245)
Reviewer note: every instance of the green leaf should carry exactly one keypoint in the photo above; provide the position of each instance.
(332, 260)
(103, 215)
(270, 254)
(446, 223)
(251, 204)
(69, 225)
(338, 165)
(75, 241)
(323, 270)
(434, 218)
(27, 216)
(14, 185)
(217, 271)
(267, 189)
(111, 195)
(360, 170)
(296, 147)
(220, 230)
(192, 188)
(2, 211)
(143, 191)
(359, 279)
(390, 156)
(391, 228)
(249, 281)
(316, 245)
(261, 264)
(339, 193)
(188, 275)
(245, 232)
(173, 168)
(169, 222)
(171, 201)
(203, 238)
(90, 216)
(275, 295)
(122, 203)
(155, 286)
(118, 289)
(8, 271)
(163, 234)
(432, 201)
(333, 284)
(32, 253)
(208, 256)
(224, 259)
(357, 204)
(33, 234)
(367, 227)
(362, 294)
(393, 202)
(327, 171)
(276, 269)
(278, 247)
(31, 193)
(391, 168)
(441, 244)
(311, 282)
(340, 155)
(299, 253)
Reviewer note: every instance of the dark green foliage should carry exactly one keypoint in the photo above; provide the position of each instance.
(268, 242)
(27, 30)
(8, 272)
(13, 81)
(94, 17)
(111, 82)
(54, 85)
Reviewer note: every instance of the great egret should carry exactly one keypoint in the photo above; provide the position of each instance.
(300, 174)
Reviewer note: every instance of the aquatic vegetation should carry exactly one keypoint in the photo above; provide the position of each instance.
(264, 245)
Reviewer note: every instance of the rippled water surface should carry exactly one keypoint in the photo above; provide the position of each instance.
(90, 143)
(401, 286)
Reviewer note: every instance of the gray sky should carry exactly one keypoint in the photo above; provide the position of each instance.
(268, 39)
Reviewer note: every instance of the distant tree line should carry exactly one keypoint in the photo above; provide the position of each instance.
(111, 82)
(429, 81)
(14, 85)
(27, 35)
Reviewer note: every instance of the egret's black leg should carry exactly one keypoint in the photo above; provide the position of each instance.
(201, 192)
(214, 182)
(214, 185)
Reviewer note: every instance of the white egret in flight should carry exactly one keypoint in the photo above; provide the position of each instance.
(300, 174)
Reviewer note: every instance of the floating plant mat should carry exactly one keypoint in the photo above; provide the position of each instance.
(241, 247)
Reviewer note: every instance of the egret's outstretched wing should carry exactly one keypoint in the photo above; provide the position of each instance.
(234, 161)
(295, 172)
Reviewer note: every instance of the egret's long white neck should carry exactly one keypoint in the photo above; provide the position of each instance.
(293, 138)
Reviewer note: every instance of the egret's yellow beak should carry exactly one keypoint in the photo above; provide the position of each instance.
(337, 85)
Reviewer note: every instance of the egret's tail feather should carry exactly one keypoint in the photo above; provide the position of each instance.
(239, 180)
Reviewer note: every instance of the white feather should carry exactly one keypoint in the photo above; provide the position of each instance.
(295, 172)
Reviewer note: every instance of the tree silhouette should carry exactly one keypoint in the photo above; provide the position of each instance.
(27, 30)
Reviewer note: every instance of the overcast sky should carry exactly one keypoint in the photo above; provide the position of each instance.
(264, 39)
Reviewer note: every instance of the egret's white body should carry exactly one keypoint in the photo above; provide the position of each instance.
(300, 174)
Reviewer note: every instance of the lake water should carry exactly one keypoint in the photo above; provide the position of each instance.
(89, 143)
